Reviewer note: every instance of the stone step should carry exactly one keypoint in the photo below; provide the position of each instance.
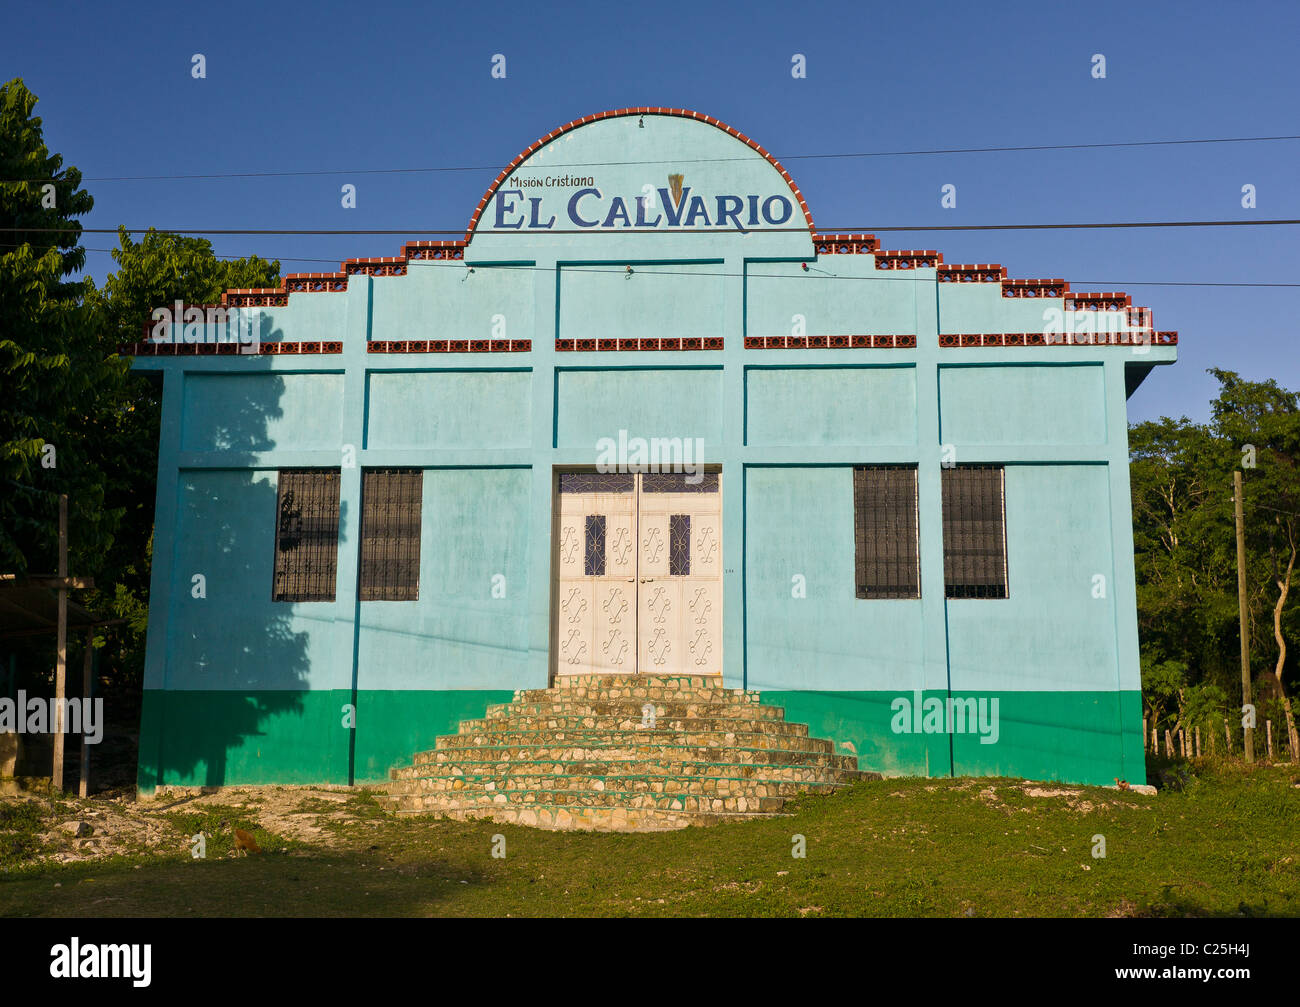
(543, 816)
(678, 683)
(574, 799)
(586, 739)
(603, 764)
(638, 783)
(577, 756)
(633, 692)
(630, 722)
(632, 709)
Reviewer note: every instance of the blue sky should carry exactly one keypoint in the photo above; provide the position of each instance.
(351, 86)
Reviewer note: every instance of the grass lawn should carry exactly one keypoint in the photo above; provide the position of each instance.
(1224, 844)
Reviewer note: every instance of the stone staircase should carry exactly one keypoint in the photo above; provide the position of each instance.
(589, 755)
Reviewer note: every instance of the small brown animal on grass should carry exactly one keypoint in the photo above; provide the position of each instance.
(1122, 784)
(244, 843)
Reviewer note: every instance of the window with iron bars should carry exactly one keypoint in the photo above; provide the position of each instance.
(974, 532)
(887, 560)
(391, 501)
(306, 535)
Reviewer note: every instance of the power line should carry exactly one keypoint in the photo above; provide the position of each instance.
(1112, 284)
(675, 161)
(822, 232)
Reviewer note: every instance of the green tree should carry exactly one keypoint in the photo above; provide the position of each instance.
(1186, 568)
(1185, 550)
(1261, 420)
(56, 375)
(73, 419)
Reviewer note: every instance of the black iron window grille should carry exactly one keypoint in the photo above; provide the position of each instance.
(391, 501)
(594, 561)
(680, 482)
(597, 482)
(974, 532)
(306, 535)
(679, 545)
(887, 558)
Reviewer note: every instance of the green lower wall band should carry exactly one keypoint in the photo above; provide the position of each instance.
(210, 738)
(1075, 737)
(203, 738)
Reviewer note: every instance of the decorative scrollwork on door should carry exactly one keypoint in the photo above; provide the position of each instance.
(701, 646)
(569, 542)
(659, 646)
(621, 545)
(574, 612)
(576, 656)
(708, 544)
(652, 545)
(659, 605)
(615, 647)
(699, 605)
(615, 605)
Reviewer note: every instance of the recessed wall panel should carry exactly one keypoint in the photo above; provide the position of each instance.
(592, 405)
(1033, 404)
(262, 412)
(830, 405)
(449, 409)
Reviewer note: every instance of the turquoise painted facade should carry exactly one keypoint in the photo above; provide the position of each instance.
(241, 689)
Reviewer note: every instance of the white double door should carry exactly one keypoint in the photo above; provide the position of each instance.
(639, 570)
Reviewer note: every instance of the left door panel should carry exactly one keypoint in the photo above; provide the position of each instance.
(596, 609)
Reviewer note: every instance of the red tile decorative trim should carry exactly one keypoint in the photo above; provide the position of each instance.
(387, 265)
(908, 260)
(1148, 338)
(1035, 288)
(984, 273)
(879, 342)
(845, 244)
(838, 244)
(325, 283)
(654, 343)
(1097, 302)
(449, 346)
(682, 113)
(149, 348)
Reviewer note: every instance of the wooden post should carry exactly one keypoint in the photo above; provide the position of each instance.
(1268, 725)
(1242, 615)
(1155, 741)
(83, 788)
(61, 664)
(1182, 740)
(1144, 732)
(1198, 741)
(1210, 735)
(1227, 735)
(1169, 744)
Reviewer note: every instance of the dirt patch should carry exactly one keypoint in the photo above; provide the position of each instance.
(121, 824)
(1044, 792)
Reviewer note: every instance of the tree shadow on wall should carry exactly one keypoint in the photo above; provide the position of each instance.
(235, 705)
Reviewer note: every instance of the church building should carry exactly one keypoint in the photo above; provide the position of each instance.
(644, 419)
